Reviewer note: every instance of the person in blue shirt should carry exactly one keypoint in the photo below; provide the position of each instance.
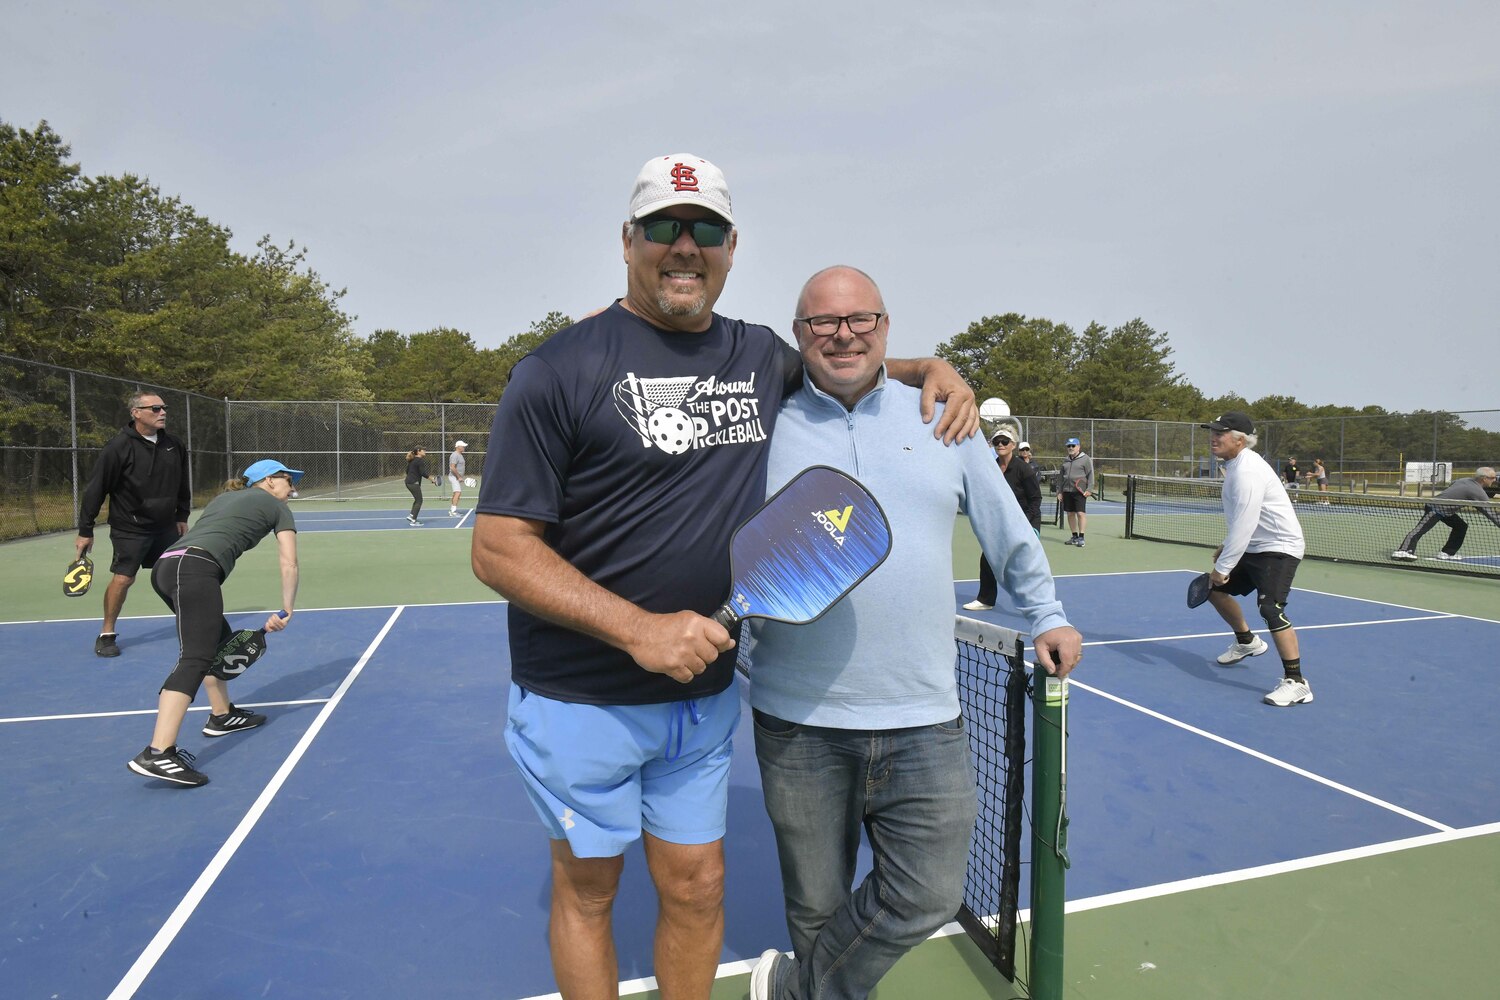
(634, 443)
(870, 688)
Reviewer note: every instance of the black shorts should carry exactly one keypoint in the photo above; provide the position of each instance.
(132, 551)
(1270, 573)
(1073, 502)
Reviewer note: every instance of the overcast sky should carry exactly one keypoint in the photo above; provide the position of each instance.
(1304, 196)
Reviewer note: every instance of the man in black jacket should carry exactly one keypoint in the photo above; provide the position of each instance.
(143, 471)
(1021, 479)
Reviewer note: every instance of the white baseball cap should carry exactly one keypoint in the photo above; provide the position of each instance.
(460, 444)
(1023, 446)
(680, 179)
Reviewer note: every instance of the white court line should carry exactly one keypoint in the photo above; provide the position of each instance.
(743, 966)
(143, 965)
(300, 611)
(1279, 868)
(386, 515)
(463, 519)
(1300, 628)
(1267, 758)
(152, 711)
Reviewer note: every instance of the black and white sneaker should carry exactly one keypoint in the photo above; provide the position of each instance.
(171, 764)
(413, 522)
(106, 645)
(236, 720)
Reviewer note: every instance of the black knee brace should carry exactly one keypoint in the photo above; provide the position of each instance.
(1274, 613)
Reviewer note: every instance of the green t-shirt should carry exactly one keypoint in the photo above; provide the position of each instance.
(234, 523)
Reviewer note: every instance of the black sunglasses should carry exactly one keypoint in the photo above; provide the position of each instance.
(667, 231)
(159, 408)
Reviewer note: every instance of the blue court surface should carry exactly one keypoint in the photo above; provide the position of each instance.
(373, 840)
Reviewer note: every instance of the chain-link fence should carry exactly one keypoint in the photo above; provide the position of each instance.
(1363, 454)
(53, 422)
(358, 450)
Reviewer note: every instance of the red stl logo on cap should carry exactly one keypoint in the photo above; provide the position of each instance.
(684, 178)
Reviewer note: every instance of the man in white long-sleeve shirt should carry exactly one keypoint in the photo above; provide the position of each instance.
(1260, 555)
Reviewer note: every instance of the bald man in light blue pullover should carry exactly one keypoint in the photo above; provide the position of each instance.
(857, 720)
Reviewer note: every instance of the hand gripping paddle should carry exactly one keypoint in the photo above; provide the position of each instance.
(1198, 590)
(807, 546)
(79, 574)
(239, 651)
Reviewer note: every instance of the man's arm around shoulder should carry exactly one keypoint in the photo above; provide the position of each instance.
(511, 557)
(939, 382)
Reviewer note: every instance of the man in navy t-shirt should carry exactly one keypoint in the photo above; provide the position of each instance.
(633, 444)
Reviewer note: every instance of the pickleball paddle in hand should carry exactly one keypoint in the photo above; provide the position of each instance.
(1198, 589)
(78, 576)
(238, 652)
(807, 546)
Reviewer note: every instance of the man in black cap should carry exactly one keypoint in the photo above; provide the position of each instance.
(1262, 548)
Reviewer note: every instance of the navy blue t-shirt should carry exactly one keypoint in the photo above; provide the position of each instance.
(643, 450)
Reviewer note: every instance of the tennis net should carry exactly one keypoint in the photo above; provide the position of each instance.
(994, 685)
(1343, 527)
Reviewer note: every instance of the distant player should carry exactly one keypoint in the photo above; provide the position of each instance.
(1319, 475)
(1261, 552)
(1076, 485)
(1290, 473)
(416, 471)
(1475, 489)
(456, 475)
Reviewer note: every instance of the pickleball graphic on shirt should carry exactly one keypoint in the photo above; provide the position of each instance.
(679, 414)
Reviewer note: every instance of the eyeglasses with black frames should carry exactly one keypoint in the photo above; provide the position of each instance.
(827, 326)
(158, 408)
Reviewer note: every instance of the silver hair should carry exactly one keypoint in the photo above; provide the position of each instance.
(133, 401)
(1485, 470)
(1250, 439)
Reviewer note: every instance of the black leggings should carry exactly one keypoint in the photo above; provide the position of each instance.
(415, 489)
(190, 586)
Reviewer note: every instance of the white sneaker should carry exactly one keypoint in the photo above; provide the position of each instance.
(1289, 693)
(977, 606)
(760, 976)
(452, 511)
(1404, 555)
(1237, 651)
(1445, 557)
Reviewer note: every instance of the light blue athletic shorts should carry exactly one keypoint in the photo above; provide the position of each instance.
(599, 774)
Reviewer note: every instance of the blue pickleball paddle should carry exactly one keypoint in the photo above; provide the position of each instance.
(807, 546)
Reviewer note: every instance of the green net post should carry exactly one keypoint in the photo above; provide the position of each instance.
(1049, 834)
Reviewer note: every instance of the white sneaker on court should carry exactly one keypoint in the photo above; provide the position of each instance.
(1289, 693)
(760, 975)
(1237, 651)
(977, 606)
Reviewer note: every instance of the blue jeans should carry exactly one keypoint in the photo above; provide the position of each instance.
(912, 791)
